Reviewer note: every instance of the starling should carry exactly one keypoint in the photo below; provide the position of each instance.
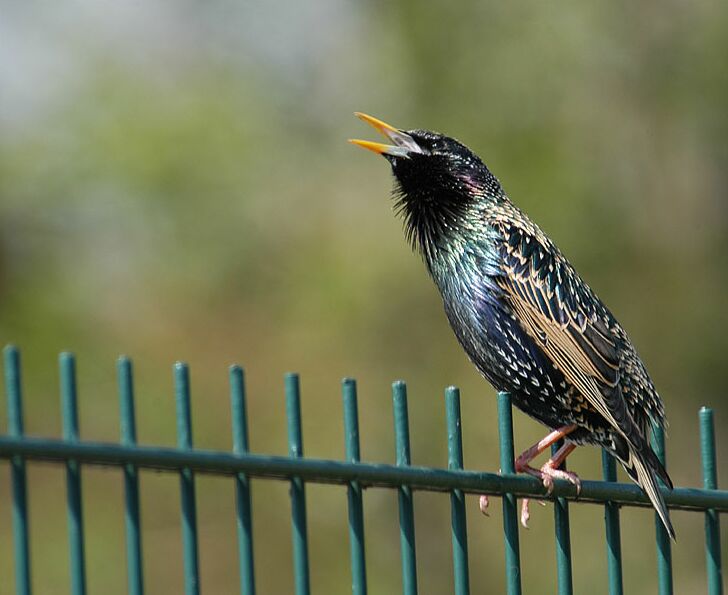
(524, 316)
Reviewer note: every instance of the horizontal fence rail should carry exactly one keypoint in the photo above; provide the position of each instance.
(366, 474)
(242, 465)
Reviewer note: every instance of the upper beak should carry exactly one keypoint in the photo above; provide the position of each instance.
(404, 145)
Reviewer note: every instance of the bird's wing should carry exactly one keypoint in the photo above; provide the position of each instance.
(566, 320)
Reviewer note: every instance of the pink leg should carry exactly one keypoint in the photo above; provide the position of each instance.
(548, 473)
(522, 465)
(551, 468)
(531, 453)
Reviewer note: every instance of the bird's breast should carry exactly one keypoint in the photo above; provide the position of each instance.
(495, 342)
(465, 276)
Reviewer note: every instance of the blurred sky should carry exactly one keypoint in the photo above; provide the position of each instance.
(175, 183)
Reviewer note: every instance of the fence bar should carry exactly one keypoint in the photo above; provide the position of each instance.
(406, 505)
(664, 549)
(712, 521)
(611, 522)
(335, 472)
(563, 537)
(242, 482)
(131, 479)
(354, 490)
(510, 515)
(17, 467)
(298, 493)
(187, 480)
(457, 498)
(69, 412)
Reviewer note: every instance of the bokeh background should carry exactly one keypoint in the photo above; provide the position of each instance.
(175, 184)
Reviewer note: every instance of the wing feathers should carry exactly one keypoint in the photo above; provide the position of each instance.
(576, 332)
(548, 298)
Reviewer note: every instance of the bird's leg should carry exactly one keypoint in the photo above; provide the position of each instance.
(550, 470)
(522, 462)
(547, 473)
(522, 466)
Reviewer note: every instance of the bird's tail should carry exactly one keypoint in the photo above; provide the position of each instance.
(643, 466)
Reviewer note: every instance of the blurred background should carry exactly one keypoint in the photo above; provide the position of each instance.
(175, 183)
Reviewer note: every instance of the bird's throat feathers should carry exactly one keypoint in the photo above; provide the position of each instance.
(439, 207)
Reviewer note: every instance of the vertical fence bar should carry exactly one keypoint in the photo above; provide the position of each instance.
(298, 493)
(510, 515)
(457, 498)
(611, 522)
(664, 549)
(69, 412)
(354, 491)
(242, 482)
(563, 537)
(187, 480)
(131, 478)
(17, 467)
(406, 505)
(712, 520)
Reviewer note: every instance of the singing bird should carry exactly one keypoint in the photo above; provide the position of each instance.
(524, 316)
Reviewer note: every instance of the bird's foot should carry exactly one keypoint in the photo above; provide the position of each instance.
(548, 472)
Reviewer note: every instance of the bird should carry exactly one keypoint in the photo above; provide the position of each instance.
(526, 319)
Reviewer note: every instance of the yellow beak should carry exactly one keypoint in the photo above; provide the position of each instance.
(403, 146)
(379, 148)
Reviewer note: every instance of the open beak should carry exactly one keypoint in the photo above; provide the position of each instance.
(403, 144)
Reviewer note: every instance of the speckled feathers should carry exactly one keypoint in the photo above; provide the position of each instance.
(524, 316)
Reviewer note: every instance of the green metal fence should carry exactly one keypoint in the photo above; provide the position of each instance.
(241, 466)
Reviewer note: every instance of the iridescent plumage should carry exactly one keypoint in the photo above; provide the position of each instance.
(524, 316)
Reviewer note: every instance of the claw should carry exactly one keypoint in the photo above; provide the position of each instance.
(525, 513)
(551, 473)
(483, 504)
(548, 483)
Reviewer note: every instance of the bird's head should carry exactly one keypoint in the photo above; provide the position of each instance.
(440, 182)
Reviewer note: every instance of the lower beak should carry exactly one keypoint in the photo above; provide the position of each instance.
(404, 145)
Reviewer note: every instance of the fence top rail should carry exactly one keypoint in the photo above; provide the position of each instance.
(340, 472)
